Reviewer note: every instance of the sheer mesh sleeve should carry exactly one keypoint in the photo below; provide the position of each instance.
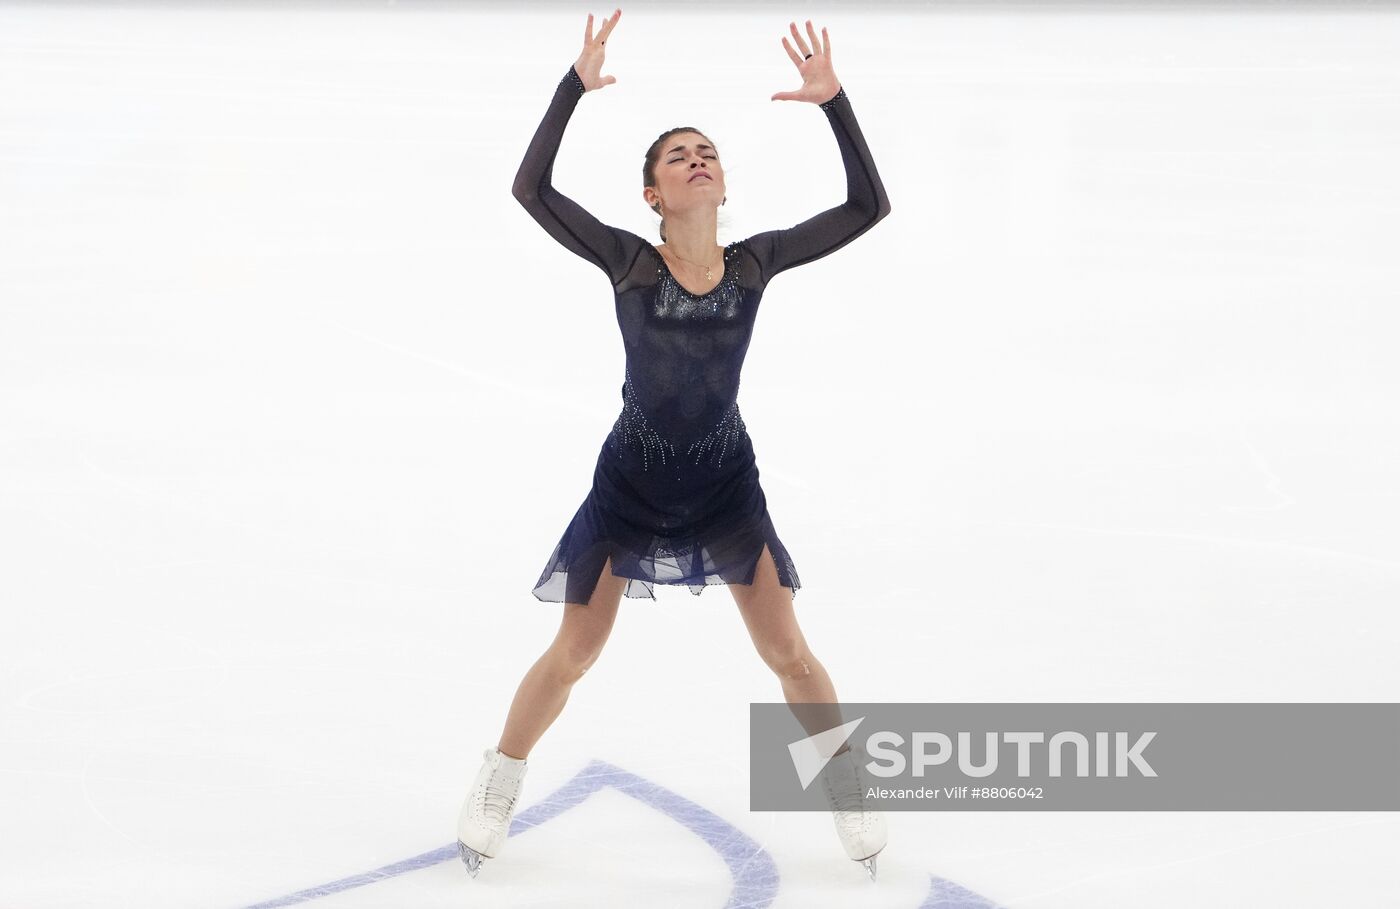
(609, 248)
(832, 229)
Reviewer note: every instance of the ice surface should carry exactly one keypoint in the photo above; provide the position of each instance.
(1121, 425)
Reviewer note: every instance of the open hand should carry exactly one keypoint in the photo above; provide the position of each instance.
(591, 60)
(819, 82)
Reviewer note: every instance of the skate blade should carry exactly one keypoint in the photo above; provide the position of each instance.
(870, 865)
(470, 857)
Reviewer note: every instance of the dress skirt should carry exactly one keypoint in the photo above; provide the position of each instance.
(666, 520)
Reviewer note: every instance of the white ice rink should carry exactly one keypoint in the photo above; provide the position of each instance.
(295, 400)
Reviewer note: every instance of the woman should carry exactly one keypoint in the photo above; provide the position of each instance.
(676, 497)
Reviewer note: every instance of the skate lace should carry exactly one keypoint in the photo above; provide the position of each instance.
(498, 799)
(849, 807)
(847, 801)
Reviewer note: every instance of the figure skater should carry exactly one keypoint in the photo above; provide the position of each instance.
(676, 497)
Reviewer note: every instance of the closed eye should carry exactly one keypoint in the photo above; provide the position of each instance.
(678, 160)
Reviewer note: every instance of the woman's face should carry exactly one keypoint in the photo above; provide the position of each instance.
(688, 172)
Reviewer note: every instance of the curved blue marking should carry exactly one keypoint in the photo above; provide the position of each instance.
(754, 873)
(752, 868)
(945, 894)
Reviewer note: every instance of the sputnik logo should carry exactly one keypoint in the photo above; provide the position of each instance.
(811, 754)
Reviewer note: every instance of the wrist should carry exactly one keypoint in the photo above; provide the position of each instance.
(572, 79)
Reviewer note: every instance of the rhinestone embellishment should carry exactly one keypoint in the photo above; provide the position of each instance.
(673, 301)
(571, 78)
(722, 439)
(633, 428)
(831, 102)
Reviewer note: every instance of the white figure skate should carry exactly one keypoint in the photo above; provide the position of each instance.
(484, 823)
(861, 827)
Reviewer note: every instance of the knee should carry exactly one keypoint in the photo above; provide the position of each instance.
(573, 659)
(791, 660)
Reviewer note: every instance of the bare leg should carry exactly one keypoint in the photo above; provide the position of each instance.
(545, 689)
(766, 606)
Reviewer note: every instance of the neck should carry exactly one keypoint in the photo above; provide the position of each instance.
(692, 238)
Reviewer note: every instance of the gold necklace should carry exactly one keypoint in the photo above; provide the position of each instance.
(709, 276)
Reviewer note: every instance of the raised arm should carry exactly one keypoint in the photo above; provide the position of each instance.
(866, 202)
(609, 248)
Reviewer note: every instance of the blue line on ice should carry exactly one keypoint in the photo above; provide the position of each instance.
(754, 874)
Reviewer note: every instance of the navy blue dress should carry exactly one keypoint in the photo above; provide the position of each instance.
(676, 497)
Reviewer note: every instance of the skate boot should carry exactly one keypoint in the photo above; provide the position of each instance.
(861, 827)
(484, 823)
